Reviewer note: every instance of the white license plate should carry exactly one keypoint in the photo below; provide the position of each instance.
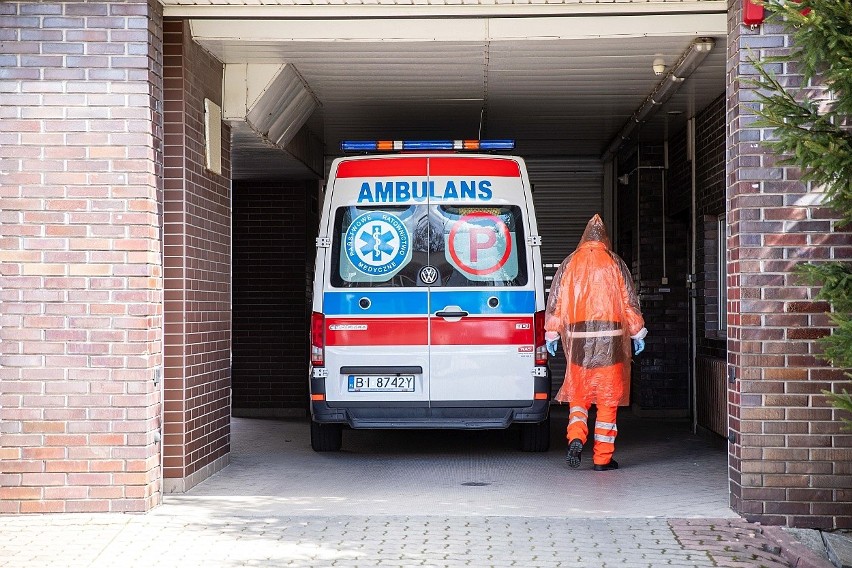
(375, 383)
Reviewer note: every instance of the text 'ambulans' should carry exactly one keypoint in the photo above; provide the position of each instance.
(403, 191)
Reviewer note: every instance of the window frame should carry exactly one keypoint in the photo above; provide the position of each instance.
(722, 276)
(406, 277)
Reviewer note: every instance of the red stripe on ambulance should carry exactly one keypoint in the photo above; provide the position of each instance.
(378, 167)
(341, 332)
(376, 331)
(437, 167)
(482, 331)
(473, 167)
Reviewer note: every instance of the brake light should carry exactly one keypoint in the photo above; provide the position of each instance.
(538, 336)
(317, 339)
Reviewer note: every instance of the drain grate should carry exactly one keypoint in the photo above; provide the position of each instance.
(476, 483)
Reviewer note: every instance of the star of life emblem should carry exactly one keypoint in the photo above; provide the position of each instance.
(378, 244)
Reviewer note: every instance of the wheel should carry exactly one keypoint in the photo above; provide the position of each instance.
(326, 437)
(535, 437)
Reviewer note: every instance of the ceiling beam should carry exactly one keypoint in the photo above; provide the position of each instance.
(479, 30)
(285, 9)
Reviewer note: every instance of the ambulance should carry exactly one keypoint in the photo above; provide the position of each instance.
(428, 296)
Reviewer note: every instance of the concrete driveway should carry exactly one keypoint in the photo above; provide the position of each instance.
(666, 471)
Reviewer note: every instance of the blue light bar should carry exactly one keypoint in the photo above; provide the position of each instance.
(358, 146)
(496, 144)
(401, 145)
(427, 144)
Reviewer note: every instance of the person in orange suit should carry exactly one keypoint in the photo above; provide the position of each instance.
(593, 307)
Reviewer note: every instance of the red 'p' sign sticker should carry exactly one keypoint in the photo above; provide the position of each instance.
(479, 243)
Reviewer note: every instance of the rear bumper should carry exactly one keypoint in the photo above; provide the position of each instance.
(465, 415)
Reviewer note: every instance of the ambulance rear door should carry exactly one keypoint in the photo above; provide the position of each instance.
(376, 312)
(482, 300)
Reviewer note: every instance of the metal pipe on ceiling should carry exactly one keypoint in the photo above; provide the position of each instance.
(688, 62)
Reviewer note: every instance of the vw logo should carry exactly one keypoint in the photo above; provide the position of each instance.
(429, 274)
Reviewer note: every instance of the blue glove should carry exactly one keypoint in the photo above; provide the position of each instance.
(638, 346)
(552, 345)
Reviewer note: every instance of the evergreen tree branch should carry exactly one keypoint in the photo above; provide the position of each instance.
(815, 135)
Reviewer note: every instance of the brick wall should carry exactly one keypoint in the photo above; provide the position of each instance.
(710, 378)
(679, 187)
(710, 202)
(653, 247)
(197, 259)
(275, 225)
(80, 136)
(790, 462)
(663, 376)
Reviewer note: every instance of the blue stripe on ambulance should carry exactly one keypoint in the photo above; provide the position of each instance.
(381, 303)
(416, 302)
(476, 302)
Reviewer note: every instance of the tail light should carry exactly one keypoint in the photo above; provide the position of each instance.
(538, 336)
(317, 339)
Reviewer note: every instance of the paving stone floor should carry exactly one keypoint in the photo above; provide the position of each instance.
(165, 541)
(415, 498)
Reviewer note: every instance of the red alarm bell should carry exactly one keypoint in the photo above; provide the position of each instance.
(753, 13)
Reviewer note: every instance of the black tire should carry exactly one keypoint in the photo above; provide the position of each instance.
(326, 437)
(535, 437)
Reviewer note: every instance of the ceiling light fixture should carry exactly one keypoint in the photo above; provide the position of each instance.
(662, 92)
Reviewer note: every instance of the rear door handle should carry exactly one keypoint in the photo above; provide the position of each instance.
(451, 314)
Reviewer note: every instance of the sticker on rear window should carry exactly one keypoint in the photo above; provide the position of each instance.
(378, 244)
(480, 245)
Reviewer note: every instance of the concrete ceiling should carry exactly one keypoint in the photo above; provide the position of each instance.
(561, 85)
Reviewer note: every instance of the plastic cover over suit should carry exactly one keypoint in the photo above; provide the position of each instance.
(594, 308)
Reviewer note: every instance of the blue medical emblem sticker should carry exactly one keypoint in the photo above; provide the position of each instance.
(378, 244)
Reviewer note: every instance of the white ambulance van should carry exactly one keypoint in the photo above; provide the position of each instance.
(428, 297)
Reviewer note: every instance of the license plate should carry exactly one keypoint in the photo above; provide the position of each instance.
(374, 383)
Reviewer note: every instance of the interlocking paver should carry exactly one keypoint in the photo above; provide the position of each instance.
(389, 501)
(347, 541)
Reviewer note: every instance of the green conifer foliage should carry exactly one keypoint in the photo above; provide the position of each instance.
(812, 123)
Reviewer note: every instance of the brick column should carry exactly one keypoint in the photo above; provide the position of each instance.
(81, 295)
(197, 270)
(789, 461)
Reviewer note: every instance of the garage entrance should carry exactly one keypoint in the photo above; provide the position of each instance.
(616, 109)
(129, 171)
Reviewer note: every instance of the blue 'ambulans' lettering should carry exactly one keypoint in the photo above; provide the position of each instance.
(403, 191)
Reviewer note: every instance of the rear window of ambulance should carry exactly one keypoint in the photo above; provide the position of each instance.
(387, 246)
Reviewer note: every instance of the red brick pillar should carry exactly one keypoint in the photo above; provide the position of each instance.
(81, 295)
(789, 460)
(197, 269)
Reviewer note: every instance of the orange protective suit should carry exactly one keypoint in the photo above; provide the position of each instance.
(593, 306)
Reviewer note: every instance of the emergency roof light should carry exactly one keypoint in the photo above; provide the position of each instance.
(402, 145)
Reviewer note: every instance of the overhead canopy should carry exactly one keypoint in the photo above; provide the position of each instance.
(559, 79)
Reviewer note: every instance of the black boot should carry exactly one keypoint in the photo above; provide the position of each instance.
(607, 466)
(575, 448)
